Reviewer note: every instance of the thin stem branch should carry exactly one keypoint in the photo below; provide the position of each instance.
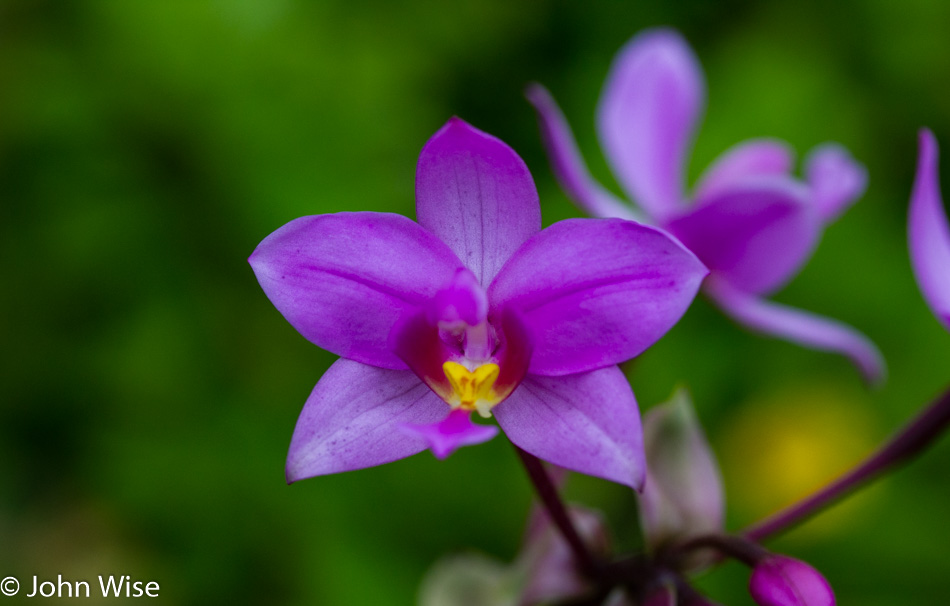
(557, 512)
(739, 547)
(908, 442)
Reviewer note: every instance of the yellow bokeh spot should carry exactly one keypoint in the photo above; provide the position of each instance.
(782, 448)
(472, 389)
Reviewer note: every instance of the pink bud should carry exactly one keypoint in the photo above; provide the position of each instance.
(782, 581)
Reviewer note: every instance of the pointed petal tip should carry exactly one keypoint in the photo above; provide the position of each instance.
(453, 127)
(639, 480)
(537, 94)
(663, 36)
(290, 476)
(799, 326)
(874, 370)
(456, 124)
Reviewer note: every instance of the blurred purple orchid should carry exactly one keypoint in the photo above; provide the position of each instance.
(751, 222)
(929, 232)
(473, 308)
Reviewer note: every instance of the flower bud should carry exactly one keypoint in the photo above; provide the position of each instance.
(782, 581)
(683, 494)
(547, 560)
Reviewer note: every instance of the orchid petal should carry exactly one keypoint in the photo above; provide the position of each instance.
(596, 292)
(837, 180)
(476, 194)
(568, 164)
(683, 494)
(755, 235)
(586, 422)
(800, 327)
(452, 432)
(343, 280)
(750, 159)
(351, 420)
(929, 232)
(648, 112)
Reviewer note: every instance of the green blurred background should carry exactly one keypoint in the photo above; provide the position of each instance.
(148, 389)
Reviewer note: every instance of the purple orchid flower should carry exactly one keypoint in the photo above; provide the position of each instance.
(929, 232)
(474, 309)
(750, 222)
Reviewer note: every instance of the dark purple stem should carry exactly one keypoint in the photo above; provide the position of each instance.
(558, 513)
(911, 440)
(739, 547)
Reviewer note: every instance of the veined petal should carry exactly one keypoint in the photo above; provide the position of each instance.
(929, 233)
(587, 422)
(800, 327)
(568, 165)
(837, 180)
(596, 292)
(343, 280)
(749, 159)
(351, 420)
(477, 195)
(648, 112)
(755, 235)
